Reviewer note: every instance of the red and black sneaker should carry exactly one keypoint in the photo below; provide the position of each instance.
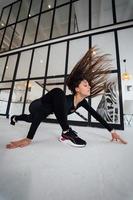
(71, 138)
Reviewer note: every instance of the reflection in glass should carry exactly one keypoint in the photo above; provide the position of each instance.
(24, 9)
(49, 4)
(18, 98)
(5, 15)
(6, 85)
(30, 31)
(24, 64)
(39, 62)
(14, 13)
(18, 35)
(79, 115)
(80, 16)
(60, 27)
(1, 26)
(7, 38)
(53, 83)
(1, 35)
(57, 59)
(81, 45)
(124, 10)
(35, 91)
(2, 66)
(10, 67)
(108, 39)
(4, 96)
(107, 104)
(45, 26)
(101, 13)
(59, 2)
(35, 7)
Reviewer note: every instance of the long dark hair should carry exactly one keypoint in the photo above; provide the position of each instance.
(94, 68)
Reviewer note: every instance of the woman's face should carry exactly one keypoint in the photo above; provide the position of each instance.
(83, 88)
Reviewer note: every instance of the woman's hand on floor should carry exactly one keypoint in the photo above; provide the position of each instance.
(116, 137)
(19, 143)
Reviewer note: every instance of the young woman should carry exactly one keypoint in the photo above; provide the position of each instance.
(88, 78)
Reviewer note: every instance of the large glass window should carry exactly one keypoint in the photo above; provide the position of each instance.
(49, 4)
(10, 67)
(52, 83)
(45, 26)
(1, 35)
(24, 9)
(59, 2)
(101, 13)
(35, 7)
(24, 64)
(57, 59)
(35, 91)
(81, 46)
(18, 97)
(80, 16)
(14, 13)
(5, 15)
(30, 31)
(60, 27)
(107, 38)
(4, 96)
(39, 62)
(18, 35)
(107, 104)
(2, 66)
(7, 38)
(124, 10)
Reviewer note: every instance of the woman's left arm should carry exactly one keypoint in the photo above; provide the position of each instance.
(116, 137)
(114, 134)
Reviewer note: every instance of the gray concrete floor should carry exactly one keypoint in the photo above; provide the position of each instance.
(50, 170)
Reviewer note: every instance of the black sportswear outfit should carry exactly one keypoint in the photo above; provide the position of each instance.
(61, 105)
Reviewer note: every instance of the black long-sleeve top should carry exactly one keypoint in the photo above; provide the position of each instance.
(84, 104)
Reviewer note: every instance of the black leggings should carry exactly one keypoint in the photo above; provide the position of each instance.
(53, 102)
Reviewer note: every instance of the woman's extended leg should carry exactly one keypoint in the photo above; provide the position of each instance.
(23, 117)
(33, 109)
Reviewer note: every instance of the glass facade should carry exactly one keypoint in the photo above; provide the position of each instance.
(35, 69)
(52, 19)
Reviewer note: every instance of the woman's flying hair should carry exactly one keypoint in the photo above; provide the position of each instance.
(93, 67)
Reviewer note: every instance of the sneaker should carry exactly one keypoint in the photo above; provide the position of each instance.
(71, 138)
(12, 120)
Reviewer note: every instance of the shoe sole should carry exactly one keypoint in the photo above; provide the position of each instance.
(69, 142)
